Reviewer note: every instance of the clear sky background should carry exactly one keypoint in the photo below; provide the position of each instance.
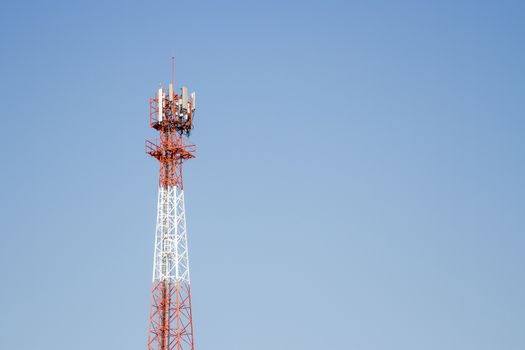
(359, 181)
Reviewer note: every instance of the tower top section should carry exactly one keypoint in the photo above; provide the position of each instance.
(172, 112)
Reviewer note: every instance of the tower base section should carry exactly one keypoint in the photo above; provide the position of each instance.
(171, 325)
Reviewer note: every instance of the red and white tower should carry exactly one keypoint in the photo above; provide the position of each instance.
(171, 325)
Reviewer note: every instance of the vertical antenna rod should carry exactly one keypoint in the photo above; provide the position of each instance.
(173, 70)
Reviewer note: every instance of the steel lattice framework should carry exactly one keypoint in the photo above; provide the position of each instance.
(171, 325)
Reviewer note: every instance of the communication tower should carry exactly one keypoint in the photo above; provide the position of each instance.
(171, 326)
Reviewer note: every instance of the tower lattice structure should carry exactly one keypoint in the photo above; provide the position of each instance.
(171, 325)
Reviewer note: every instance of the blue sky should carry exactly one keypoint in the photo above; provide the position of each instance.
(359, 181)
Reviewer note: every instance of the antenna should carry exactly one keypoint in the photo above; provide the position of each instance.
(173, 70)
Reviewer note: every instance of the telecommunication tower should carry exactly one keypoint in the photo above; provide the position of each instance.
(171, 326)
